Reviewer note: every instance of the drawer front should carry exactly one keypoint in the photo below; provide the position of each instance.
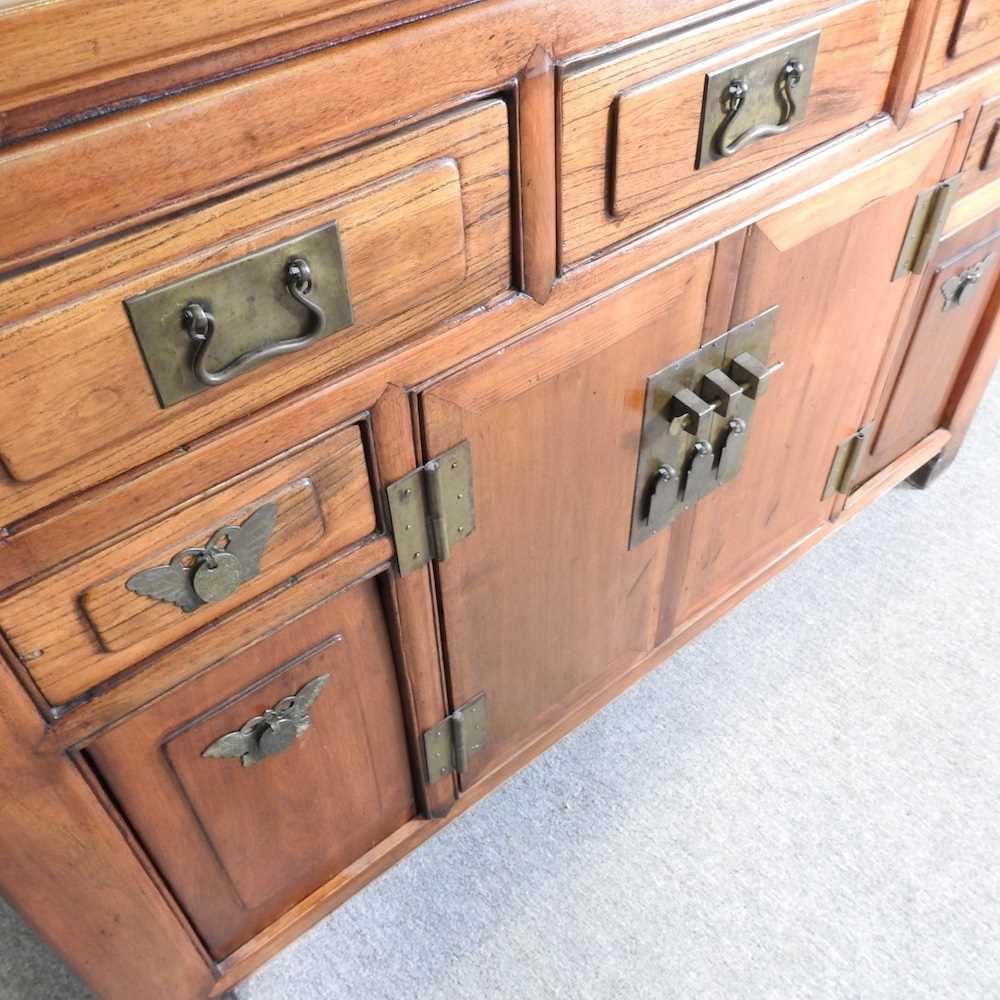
(422, 222)
(966, 34)
(248, 802)
(134, 595)
(634, 150)
(982, 161)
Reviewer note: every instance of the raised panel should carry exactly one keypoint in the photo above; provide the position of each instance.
(240, 845)
(81, 625)
(545, 603)
(631, 123)
(943, 329)
(424, 223)
(966, 34)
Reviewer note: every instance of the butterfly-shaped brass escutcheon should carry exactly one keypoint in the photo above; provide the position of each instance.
(273, 732)
(204, 575)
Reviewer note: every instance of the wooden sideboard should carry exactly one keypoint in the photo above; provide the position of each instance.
(384, 387)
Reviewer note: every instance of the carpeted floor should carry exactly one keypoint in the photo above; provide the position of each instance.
(803, 803)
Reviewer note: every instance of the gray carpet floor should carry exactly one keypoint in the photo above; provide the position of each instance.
(802, 803)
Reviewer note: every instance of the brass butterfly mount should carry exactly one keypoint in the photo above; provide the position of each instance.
(273, 732)
(212, 572)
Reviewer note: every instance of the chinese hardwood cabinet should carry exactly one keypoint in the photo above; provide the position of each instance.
(386, 386)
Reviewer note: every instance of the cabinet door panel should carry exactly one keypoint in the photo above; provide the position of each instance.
(544, 603)
(827, 263)
(241, 839)
(946, 320)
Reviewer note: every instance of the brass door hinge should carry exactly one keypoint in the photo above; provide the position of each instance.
(845, 462)
(453, 741)
(432, 509)
(930, 211)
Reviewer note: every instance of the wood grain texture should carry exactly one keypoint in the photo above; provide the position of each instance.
(377, 80)
(545, 601)
(838, 309)
(966, 35)
(73, 872)
(323, 493)
(634, 120)
(537, 130)
(52, 48)
(212, 825)
(402, 238)
(169, 64)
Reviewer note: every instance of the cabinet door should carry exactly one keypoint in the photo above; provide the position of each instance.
(273, 772)
(827, 262)
(544, 604)
(947, 318)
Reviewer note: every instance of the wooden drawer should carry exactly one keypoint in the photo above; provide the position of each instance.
(423, 222)
(128, 596)
(631, 124)
(982, 161)
(240, 845)
(966, 34)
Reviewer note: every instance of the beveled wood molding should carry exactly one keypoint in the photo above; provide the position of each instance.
(537, 127)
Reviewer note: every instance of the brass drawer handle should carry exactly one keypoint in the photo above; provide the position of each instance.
(736, 95)
(276, 730)
(200, 326)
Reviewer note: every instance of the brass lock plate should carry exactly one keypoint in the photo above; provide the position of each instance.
(772, 101)
(251, 306)
(668, 442)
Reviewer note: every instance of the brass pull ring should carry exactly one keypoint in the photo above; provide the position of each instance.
(736, 95)
(200, 326)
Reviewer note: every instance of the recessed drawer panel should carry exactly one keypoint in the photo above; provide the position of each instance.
(966, 34)
(982, 161)
(258, 782)
(652, 132)
(132, 595)
(399, 236)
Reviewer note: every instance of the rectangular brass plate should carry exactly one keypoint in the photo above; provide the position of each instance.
(762, 105)
(659, 446)
(930, 212)
(439, 742)
(411, 507)
(251, 305)
(845, 462)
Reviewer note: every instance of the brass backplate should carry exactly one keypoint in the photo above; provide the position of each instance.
(762, 105)
(662, 443)
(251, 305)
